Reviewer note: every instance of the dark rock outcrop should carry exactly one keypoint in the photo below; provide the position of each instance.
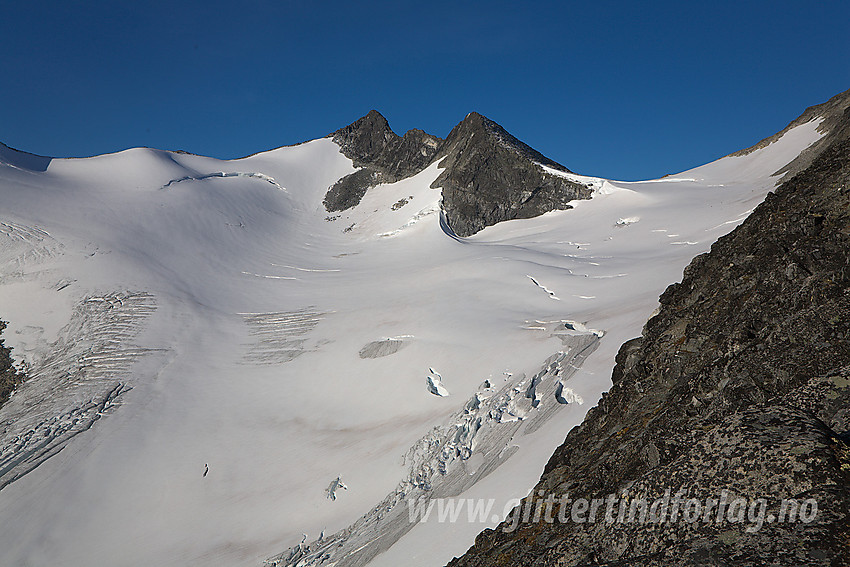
(382, 155)
(488, 175)
(9, 377)
(740, 383)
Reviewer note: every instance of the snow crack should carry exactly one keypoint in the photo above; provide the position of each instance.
(280, 336)
(221, 174)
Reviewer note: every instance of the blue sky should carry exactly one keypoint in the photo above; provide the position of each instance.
(627, 90)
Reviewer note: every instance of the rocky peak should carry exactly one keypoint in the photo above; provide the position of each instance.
(382, 155)
(480, 129)
(365, 138)
(489, 175)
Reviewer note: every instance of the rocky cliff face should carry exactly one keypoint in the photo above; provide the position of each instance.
(488, 175)
(740, 383)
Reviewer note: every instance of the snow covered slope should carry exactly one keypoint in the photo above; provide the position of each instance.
(211, 353)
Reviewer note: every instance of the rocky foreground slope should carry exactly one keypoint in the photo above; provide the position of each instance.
(741, 383)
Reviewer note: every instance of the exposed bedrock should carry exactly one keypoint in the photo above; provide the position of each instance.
(488, 175)
(382, 156)
(9, 377)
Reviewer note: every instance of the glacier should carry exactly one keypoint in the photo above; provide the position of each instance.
(209, 349)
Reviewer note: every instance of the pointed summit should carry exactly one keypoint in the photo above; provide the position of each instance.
(475, 122)
(382, 155)
(365, 138)
(490, 176)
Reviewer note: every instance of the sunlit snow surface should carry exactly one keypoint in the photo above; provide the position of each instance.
(178, 312)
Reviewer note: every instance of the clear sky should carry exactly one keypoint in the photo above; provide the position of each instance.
(626, 90)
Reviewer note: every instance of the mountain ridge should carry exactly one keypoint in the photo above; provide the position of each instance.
(381, 155)
(488, 176)
(835, 125)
